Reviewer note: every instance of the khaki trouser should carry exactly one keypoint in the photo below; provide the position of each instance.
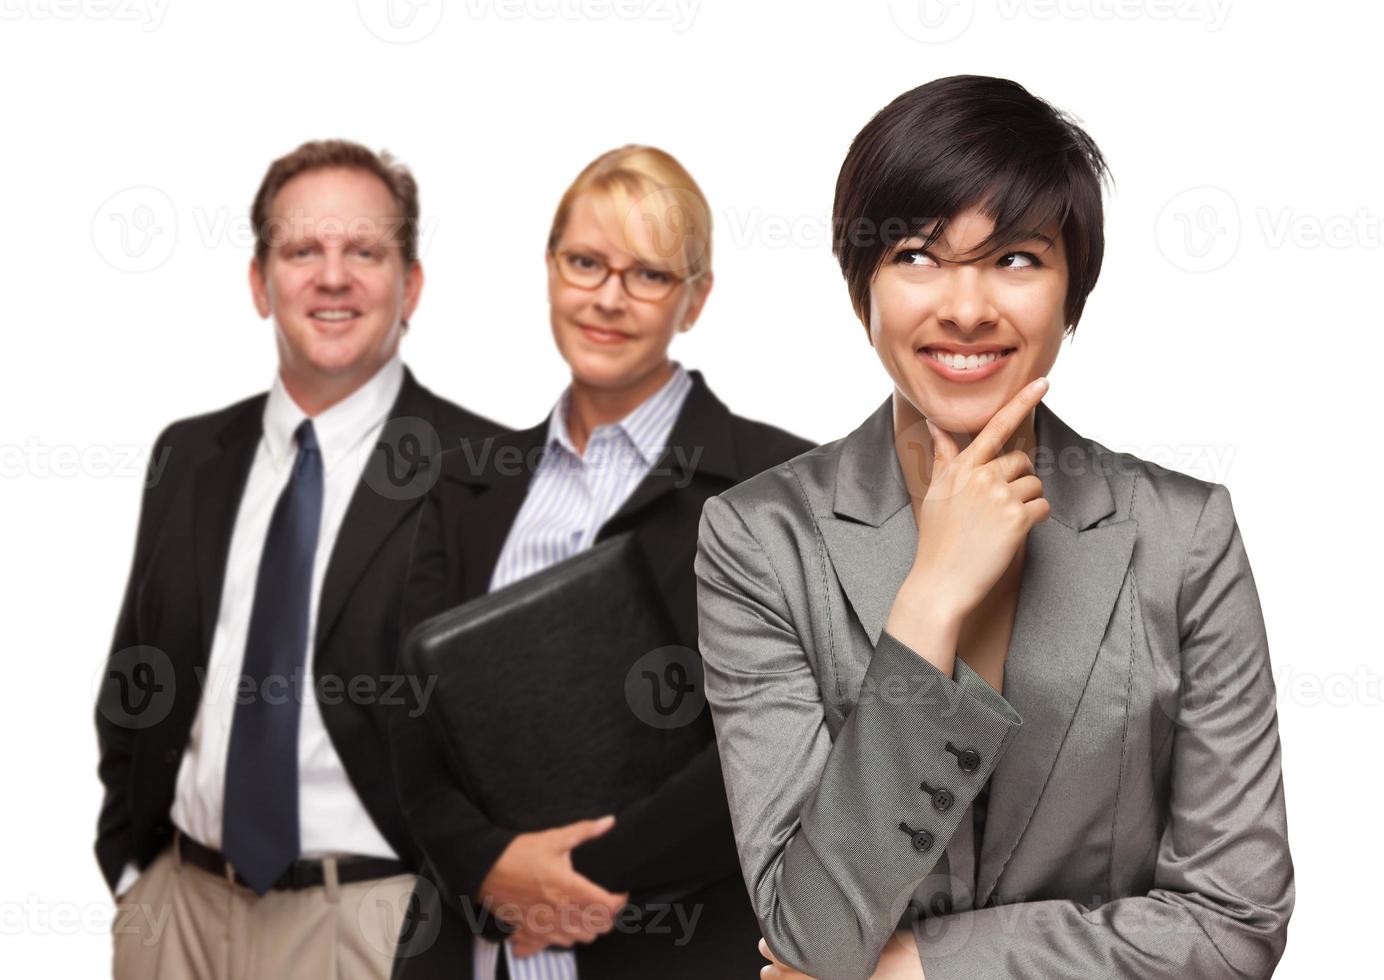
(178, 922)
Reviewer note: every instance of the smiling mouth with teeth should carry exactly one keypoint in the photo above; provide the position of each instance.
(333, 316)
(967, 362)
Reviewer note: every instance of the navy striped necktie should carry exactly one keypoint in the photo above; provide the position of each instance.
(260, 834)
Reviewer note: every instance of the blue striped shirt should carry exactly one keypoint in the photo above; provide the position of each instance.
(572, 494)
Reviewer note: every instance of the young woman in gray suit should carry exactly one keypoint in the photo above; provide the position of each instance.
(991, 700)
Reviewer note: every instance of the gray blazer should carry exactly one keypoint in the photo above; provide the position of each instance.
(1136, 823)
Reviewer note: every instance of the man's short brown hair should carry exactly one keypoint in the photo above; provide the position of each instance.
(324, 154)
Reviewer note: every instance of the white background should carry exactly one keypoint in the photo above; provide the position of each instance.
(1234, 333)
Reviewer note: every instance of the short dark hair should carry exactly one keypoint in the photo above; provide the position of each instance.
(327, 154)
(962, 142)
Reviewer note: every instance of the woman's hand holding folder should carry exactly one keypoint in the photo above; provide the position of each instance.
(534, 888)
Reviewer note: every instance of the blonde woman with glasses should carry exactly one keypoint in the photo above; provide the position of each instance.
(635, 442)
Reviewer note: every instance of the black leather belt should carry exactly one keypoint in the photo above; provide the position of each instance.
(301, 873)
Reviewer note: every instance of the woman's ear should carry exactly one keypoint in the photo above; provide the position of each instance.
(701, 289)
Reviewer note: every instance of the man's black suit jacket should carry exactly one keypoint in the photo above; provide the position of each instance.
(153, 684)
(682, 832)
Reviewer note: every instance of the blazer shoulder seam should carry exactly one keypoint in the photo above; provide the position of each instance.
(1187, 553)
(768, 560)
(218, 418)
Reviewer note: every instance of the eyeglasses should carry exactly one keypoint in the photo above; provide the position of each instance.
(640, 282)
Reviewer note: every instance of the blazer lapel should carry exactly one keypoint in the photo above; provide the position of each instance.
(701, 443)
(499, 469)
(217, 487)
(1072, 575)
(873, 535)
(401, 469)
(1073, 572)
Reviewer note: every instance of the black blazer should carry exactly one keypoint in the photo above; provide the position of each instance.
(170, 609)
(682, 832)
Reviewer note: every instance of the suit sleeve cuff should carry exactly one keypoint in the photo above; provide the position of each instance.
(965, 692)
(911, 758)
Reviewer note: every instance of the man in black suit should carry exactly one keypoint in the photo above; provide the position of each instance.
(250, 825)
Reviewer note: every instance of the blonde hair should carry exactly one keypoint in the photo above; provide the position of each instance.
(643, 184)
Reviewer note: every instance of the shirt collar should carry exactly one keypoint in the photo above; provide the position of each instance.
(340, 428)
(646, 427)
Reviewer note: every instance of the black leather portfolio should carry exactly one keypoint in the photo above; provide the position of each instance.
(562, 696)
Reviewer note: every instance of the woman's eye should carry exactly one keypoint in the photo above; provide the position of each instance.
(1019, 260)
(653, 276)
(585, 262)
(915, 257)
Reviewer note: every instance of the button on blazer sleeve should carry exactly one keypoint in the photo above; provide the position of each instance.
(1224, 877)
(818, 822)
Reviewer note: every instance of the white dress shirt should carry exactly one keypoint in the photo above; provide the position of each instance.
(332, 819)
(572, 494)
